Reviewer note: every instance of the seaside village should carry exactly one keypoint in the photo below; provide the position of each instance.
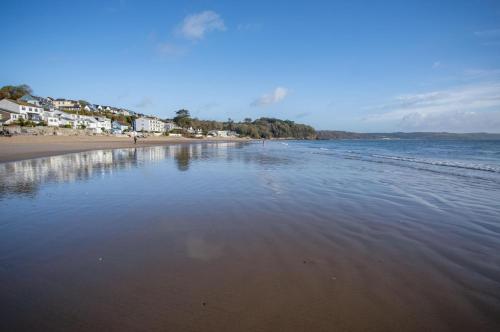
(33, 111)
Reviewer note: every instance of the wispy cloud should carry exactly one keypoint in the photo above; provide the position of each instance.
(489, 37)
(453, 121)
(274, 97)
(466, 108)
(493, 33)
(436, 64)
(195, 26)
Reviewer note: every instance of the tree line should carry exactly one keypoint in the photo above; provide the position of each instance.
(259, 128)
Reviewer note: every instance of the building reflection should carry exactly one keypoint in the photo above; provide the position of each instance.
(25, 177)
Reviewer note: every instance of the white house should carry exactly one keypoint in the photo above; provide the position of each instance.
(66, 120)
(119, 127)
(31, 112)
(93, 124)
(218, 133)
(103, 122)
(222, 133)
(66, 103)
(7, 117)
(89, 108)
(149, 125)
(51, 118)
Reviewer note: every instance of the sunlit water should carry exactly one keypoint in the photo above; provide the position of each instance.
(430, 210)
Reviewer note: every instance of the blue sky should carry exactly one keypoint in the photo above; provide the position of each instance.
(347, 65)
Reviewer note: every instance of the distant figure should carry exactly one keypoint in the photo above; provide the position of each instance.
(135, 139)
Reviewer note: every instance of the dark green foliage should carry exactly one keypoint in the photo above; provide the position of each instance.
(24, 123)
(183, 118)
(274, 128)
(260, 128)
(15, 92)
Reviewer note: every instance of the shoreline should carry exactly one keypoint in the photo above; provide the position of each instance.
(19, 148)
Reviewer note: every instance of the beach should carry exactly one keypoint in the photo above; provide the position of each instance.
(27, 147)
(231, 236)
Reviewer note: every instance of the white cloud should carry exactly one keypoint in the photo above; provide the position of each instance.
(195, 26)
(466, 108)
(436, 64)
(453, 121)
(276, 96)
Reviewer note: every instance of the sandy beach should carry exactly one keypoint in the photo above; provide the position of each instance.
(247, 237)
(27, 147)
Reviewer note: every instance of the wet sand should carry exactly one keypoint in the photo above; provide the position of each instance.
(253, 277)
(251, 238)
(27, 147)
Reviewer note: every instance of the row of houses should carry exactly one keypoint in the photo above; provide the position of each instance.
(54, 113)
(74, 105)
(57, 113)
(15, 110)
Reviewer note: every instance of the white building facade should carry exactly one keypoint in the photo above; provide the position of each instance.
(149, 125)
(29, 111)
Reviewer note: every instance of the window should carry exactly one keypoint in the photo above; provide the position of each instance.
(23, 108)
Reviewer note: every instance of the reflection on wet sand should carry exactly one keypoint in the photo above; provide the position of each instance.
(24, 177)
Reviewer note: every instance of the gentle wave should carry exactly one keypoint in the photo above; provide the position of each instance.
(445, 163)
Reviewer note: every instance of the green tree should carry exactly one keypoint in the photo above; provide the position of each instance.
(183, 118)
(15, 91)
(230, 123)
